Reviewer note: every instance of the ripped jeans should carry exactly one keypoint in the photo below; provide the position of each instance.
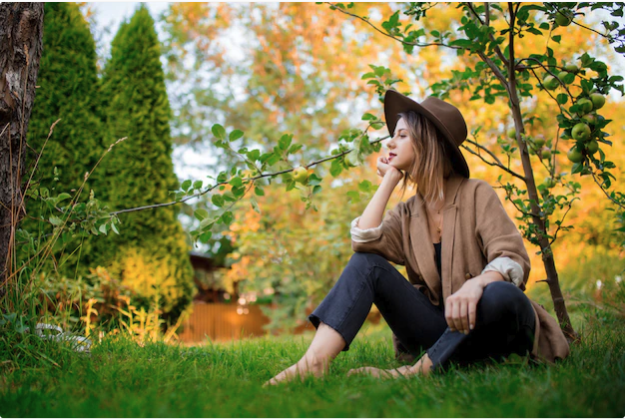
(504, 320)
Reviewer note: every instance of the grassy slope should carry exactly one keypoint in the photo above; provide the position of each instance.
(224, 380)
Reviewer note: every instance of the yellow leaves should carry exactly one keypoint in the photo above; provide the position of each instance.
(141, 324)
(146, 276)
(87, 317)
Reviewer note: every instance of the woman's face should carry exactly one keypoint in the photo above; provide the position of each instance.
(401, 154)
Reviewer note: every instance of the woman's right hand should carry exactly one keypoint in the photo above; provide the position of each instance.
(385, 168)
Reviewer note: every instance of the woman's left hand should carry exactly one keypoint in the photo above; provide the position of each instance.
(461, 307)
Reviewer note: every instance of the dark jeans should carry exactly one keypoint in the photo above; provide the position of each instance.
(504, 319)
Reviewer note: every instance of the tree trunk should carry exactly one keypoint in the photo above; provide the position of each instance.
(21, 43)
(545, 247)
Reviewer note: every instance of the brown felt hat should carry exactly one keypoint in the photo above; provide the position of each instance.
(445, 116)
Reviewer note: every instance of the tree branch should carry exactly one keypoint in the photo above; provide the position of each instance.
(490, 163)
(262, 175)
(620, 205)
(416, 44)
(609, 38)
(529, 214)
(490, 35)
(549, 71)
(555, 235)
(496, 71)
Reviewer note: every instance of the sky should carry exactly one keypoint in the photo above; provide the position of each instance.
(110, 14)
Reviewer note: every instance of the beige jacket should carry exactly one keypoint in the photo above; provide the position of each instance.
(478, 235)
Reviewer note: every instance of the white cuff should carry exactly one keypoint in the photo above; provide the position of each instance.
(362, 236)
(509, 269)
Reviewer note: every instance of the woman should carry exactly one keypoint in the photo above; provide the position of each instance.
(465, 259)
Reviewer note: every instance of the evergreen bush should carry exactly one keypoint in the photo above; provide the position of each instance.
(139, 171)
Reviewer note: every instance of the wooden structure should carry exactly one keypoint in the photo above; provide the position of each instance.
(222, 322)
(215, 320)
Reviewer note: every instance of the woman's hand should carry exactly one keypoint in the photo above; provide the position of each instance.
(384, 167)
(461, 306)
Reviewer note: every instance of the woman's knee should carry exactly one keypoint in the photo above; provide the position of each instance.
(502, 298)
(362, 267)
(367, 259)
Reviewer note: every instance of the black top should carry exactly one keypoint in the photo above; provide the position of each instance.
(437, 248)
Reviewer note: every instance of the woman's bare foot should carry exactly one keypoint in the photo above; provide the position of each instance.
(326, 345)
(309, 364)
(423, 366)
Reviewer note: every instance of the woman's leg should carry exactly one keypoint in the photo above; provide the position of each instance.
(504, 325)
(368, 278)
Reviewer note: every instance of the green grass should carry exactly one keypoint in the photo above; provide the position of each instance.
(122, 379)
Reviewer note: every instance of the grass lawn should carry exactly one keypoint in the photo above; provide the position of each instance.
(122, 379)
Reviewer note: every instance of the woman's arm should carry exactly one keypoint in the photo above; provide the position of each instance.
(372, 216)
(501, 242)
(373, 234)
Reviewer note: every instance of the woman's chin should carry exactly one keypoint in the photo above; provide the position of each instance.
(395, 165)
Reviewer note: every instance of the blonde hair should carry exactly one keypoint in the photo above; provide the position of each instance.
(432, 158)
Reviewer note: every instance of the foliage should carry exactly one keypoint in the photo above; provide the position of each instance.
(94, 306)
(140, 171)
(148, 277)
(68, 89)
(296, 73)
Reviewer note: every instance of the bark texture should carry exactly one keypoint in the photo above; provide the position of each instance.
(21, 43)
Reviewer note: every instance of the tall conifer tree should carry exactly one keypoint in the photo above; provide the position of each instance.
(67, 90)
(151, 254)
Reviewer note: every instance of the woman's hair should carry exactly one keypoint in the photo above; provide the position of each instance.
(432, 158)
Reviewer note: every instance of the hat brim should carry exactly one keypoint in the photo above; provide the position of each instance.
(395, 103)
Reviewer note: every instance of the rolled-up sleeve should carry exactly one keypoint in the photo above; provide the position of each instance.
(509, 269)
(500, 239)
(385, 240)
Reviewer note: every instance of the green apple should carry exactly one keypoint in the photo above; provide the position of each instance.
(564, 17)
(580, 132)
(512, 133)
(545, 154)
(572, 68)
(549, 182)
(562, 74)
(584, 106)
(551, 83)
(592, 147)
(539, 141)
(300, 174)
(598, 100)
(590, 118)
(574, 155)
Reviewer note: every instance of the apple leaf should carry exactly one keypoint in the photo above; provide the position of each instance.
(219, 131)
